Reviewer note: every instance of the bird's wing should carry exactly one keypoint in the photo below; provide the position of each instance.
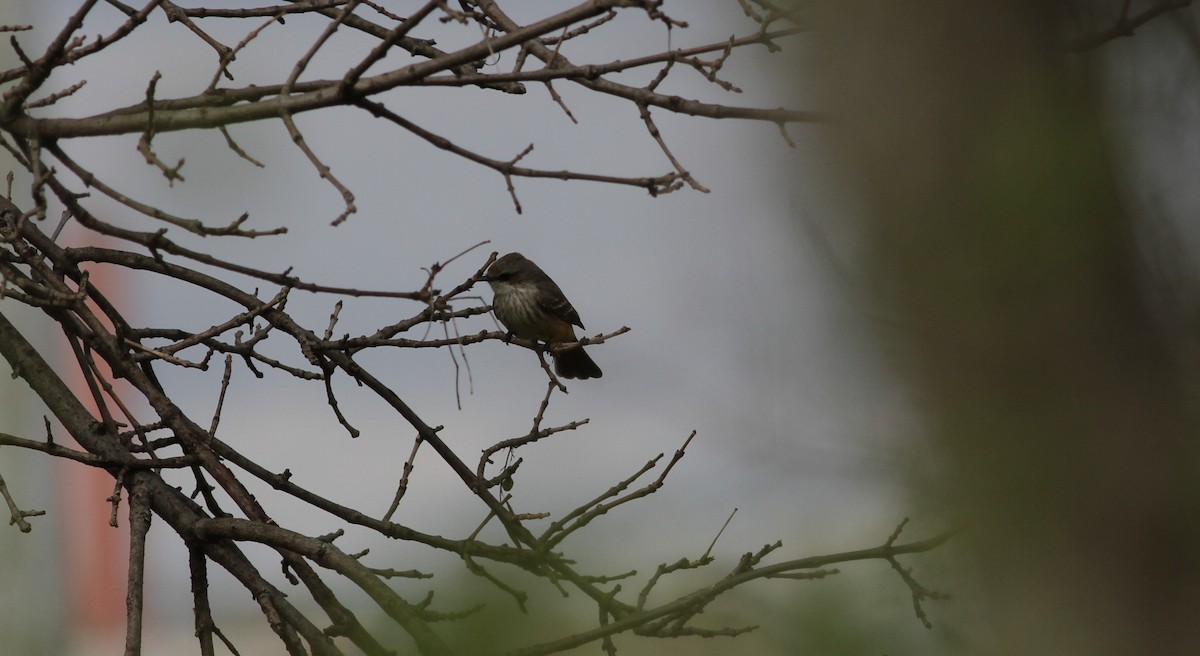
(556, 304)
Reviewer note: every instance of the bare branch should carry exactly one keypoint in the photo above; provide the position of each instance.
(1124, 25)
(202, 610)
(16, 515)
(139, 526)
(56, 96)
(176, 14)
(36, 72)
(402, 487)
(170, 172)
(138, 430)
(683, 174)
(508, 168)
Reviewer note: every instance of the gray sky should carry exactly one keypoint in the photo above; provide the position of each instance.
(741, 325)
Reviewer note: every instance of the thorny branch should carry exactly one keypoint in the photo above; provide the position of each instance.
(140, 433)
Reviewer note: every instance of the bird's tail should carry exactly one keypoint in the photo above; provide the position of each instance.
(575, 363)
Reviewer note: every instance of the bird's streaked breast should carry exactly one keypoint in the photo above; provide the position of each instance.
(517, 308)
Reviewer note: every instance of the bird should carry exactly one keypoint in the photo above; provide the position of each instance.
(531, 306)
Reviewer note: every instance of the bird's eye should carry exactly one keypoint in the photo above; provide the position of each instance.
(503, 276)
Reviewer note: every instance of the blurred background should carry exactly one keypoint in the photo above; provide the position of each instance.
(967, 299)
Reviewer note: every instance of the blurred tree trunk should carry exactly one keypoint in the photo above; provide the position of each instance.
(1063, 431)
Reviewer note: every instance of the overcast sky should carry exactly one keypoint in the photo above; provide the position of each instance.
(745, 324)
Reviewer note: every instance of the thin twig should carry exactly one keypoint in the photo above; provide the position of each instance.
(16, 515)
(718, 535)
(216, 419)
(402, 487)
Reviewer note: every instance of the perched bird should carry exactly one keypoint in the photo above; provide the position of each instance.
(531, 306)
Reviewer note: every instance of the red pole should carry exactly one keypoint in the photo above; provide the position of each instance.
(95, 552)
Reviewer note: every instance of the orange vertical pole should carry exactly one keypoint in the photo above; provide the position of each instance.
(96, 553)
